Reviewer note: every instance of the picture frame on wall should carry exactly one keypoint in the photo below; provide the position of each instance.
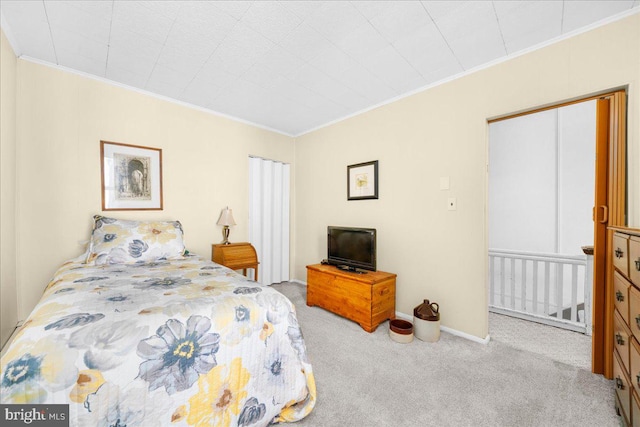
(362, 181)
(131, 177)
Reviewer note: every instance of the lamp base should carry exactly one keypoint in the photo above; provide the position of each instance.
(225, 235)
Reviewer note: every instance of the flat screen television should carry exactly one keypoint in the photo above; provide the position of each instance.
(351, 248)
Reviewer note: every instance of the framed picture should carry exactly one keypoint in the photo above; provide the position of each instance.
(362, 181)
(131, 177)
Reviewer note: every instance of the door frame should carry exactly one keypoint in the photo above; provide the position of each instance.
(617, 201)
(612, 126)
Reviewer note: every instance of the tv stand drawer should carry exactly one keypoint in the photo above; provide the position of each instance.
(368, 299)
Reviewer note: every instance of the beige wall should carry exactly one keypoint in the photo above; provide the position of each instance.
(442, 132)
(8, 290)
(61, 118)
(438, 254)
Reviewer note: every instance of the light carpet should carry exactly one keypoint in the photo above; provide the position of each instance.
(561, 345)
(367, 379)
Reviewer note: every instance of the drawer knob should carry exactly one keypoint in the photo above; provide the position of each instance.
(619, 339)
(637, 264)
(638, 379)
(619, 384)
(619, 296)
(638, 321)
(618, 253)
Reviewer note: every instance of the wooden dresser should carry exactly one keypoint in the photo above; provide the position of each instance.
(368, 299)
(626, 324)
(236, 256)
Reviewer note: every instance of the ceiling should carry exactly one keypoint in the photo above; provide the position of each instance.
(289, 66)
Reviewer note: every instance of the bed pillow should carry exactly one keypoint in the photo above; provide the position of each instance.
(117, 241)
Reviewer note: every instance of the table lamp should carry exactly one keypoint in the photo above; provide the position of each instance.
(226, 219)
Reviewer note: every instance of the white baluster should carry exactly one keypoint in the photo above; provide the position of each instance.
(574, 293)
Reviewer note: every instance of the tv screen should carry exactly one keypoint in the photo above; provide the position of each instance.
(352, 248)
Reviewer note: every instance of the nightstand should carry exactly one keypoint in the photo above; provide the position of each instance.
(236, 256)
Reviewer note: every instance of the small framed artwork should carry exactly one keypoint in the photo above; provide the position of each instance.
(362, 181)
(131, 177)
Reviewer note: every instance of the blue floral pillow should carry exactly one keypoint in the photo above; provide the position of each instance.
(117, 241)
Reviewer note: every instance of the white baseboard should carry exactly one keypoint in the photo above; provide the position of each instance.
(451, 331)
(465, 335)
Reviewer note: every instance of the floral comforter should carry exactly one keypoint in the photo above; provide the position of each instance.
(181, 342)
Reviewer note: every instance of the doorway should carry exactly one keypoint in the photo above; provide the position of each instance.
(606, 187)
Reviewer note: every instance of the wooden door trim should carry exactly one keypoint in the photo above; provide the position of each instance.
(601, 238)
(600, 95)
(617, 200)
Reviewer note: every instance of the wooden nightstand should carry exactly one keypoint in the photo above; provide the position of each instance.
(236, 256)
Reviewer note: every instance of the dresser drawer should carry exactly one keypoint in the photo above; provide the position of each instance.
(621, 253)
(621, 288)
(634, 311)
(634, 360)
(634, 259)
(618, 406)
(635, 410)
(622, 385)
(621, 339)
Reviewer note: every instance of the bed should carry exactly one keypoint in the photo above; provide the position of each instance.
(139, 332)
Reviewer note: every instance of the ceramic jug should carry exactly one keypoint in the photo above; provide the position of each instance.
(426, 321)
(427, 311)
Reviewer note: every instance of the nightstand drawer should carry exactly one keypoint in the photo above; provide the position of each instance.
(236, 256)
(231, 255)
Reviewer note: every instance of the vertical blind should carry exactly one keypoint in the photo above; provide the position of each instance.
(269, 217)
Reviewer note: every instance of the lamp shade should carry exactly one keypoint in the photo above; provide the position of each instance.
(226, 217)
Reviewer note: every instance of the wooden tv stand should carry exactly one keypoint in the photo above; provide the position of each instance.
(368, 299)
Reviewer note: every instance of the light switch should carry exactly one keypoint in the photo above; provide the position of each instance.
(451, 204)
(444, 183)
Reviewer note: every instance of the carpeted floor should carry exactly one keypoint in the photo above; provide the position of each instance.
(557, 344)
(368, 380)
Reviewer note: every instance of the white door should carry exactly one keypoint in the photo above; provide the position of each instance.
(269, 195)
